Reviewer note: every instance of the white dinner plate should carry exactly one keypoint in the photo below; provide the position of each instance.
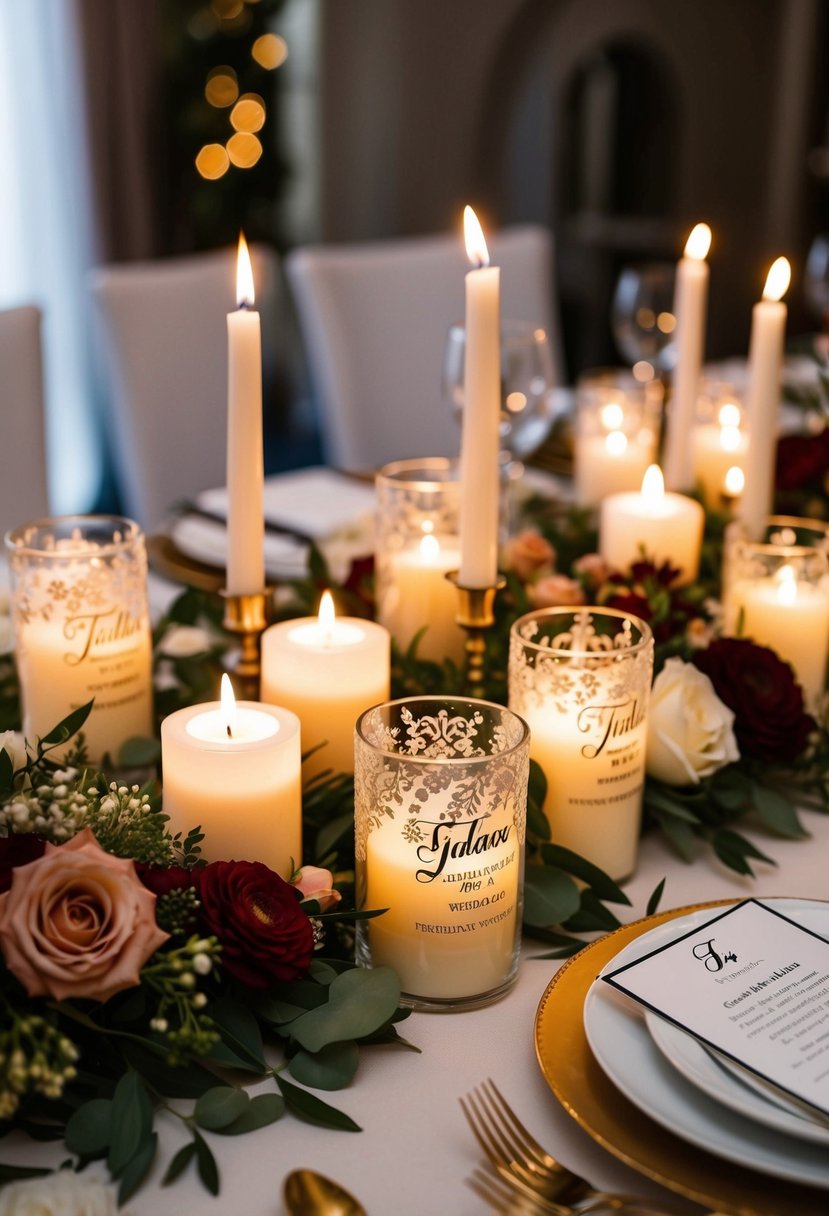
(731, 1085)
(619, 1039)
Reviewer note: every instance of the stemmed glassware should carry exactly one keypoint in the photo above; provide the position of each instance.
(528, 403)
(816, 278)
(642, 316)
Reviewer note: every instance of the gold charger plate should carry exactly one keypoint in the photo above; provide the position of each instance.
(580, 1085)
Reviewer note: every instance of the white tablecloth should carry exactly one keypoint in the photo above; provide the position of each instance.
(415, 1150)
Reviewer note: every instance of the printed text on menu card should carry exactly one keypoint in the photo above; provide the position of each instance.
(753, 985)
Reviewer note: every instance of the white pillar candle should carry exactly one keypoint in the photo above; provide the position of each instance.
(660, 526)
(690, 307)
(481, 415)
(243, 787)
(418, 594)
(608, 464)
(245, 460)
(765, 362)
(327, 670)
(791, 616)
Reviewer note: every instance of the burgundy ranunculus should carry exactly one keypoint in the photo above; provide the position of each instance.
(264, 933)
(770, 721)
(18, 851)
(161, 880)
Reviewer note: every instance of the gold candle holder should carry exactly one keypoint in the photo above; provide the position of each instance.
(246, 616)
(475, 615)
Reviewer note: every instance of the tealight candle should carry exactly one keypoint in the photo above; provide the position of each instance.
(608, 464)
(654, 524)
(234, 770)
(326, 669)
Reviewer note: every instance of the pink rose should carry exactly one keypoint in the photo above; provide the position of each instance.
(77, 922)
(528, 553)
(592, 568)
(316, 883)
(555, 591)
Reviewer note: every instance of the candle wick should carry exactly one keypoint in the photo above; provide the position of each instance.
(229, 731)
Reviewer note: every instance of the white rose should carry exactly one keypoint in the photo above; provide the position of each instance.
(13, 742)
(183, 641)
(690, 732)
(60, 1194)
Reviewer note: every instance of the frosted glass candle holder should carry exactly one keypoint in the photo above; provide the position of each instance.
(440, 819)
(581, 680)
(82, 628)
(617, 433)
(776, 592)
(417, 544)
(719, 443)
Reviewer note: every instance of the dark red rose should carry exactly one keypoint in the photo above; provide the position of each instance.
(255, 914)
(770, 721)
(18, 851)
(162, 880)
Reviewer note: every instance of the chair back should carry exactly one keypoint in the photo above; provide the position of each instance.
(23, 493)
(374, 319)
(163, 343)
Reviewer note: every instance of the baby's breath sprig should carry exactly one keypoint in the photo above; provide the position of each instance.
(36, 1057)
(180, 1019)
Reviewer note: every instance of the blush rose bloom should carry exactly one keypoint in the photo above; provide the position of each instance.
(555, 591)
(316, 883)
(690, 731)
(528, 553)
(77, 922)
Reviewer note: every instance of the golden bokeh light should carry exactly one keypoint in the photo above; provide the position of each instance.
(212, 161)
(270, 51)
(244, 150)
(221, 88)
(248, 114)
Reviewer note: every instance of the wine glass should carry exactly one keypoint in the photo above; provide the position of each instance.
(642, 315)
(528, 400)
(816, 278)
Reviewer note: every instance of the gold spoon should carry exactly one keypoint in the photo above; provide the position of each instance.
(308, 1193)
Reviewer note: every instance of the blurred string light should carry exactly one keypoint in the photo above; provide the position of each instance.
(248, 111)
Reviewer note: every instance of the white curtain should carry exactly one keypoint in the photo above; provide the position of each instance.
(46, 239)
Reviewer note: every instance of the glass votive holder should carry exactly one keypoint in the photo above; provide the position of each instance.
(440, 821)
(719, 443)
(776, 593)
(581, 680)
(616, 434)
(417, 542)
(82, 627)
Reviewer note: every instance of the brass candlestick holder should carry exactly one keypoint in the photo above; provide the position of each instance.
(246, 616)
(475, 616)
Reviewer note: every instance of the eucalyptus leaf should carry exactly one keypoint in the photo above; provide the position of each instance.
(680, 835)
(183, 1081)
(6, 771)
(313, 1110)
(219, 1107)
(358, 1002)
(137, 1168)
(132, 1118)
(592, 916)
(261, 1111)
(333, 1067)
(68, 726)
(550, 896)
(655, 898)
(139, 752)
(777, 812)
(179, 1163)
(88, 1130)
(206, 1163)
(240, 1032)
(322, 972)
(601, 883)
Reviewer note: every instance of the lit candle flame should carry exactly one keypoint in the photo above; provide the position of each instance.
(473, 235)
(326, 615)
(730, 438)
(612, 416)
(786, 581)
(244, 276)
(653, 486)
(729, 414)
(735, 481)
(698, 243)
(430, 548)
(616, 443)
(228, 704)
(777, 279)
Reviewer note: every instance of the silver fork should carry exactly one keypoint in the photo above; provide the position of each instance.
(522, 1163)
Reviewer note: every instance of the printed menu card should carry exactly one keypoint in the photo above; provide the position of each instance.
(753, 985)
